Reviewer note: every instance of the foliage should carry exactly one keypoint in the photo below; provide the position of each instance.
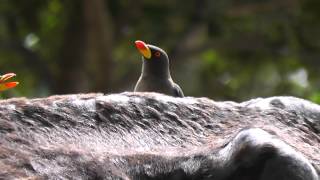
(230, 50)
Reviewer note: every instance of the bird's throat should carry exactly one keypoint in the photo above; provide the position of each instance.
(155, 71)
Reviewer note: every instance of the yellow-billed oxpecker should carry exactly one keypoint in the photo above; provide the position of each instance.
(155, 75)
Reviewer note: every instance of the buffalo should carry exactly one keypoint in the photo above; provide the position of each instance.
(140, 136)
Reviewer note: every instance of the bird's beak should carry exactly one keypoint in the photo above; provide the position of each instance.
(7, 85)
(6, 77)
(143, 49)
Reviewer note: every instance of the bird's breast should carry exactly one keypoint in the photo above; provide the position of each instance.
(164, 86)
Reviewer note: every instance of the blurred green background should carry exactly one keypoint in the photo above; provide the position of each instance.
(221, 49)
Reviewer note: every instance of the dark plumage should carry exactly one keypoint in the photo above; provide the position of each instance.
(155, 75)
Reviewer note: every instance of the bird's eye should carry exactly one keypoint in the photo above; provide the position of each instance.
(157, 54)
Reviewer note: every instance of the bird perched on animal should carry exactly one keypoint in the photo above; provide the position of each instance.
(155, 75)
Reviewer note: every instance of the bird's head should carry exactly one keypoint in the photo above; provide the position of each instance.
(155, 60)
(151, 52)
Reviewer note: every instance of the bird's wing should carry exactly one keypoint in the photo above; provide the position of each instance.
(177, 90)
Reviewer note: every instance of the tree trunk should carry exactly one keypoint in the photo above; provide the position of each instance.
(86, 63)
(98, 52)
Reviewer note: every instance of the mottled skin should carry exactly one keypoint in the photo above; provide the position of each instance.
(151, 136)
(155, 75)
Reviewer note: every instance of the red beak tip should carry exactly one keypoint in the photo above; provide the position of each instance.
(11, 84)
(140, 44)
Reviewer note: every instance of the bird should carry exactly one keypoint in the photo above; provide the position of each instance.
(155, 75)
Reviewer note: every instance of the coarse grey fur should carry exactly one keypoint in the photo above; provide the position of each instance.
(152, 136)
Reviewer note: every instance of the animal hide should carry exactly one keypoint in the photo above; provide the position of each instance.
(153, 136)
